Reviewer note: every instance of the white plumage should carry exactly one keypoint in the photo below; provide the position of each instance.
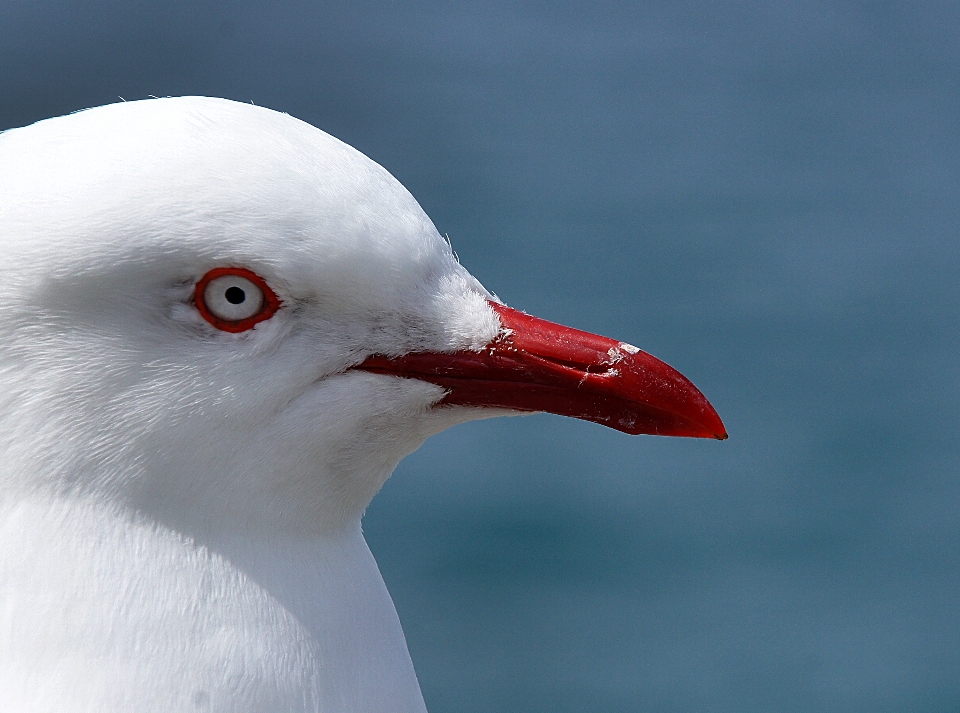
(180, 505)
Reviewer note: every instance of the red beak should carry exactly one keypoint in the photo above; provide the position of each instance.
(535, 365)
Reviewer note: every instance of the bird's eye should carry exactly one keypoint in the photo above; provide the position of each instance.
(234, 299)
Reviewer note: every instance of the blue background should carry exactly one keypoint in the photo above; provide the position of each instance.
(764, 195)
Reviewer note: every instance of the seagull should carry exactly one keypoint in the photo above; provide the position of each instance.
(220, 331)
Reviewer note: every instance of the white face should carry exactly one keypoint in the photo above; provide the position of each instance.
(113, 380)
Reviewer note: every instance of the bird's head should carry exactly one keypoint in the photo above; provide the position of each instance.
(211, 310)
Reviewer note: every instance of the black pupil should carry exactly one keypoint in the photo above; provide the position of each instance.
(235, 295)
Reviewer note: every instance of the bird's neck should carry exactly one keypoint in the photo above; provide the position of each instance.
(320, 578)
(331, 583)
(310, 609)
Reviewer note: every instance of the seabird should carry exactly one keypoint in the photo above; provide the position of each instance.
(220, 331)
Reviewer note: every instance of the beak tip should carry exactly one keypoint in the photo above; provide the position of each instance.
(712, 425)
(719, 430)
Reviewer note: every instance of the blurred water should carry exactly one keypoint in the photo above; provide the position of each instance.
(764, 195)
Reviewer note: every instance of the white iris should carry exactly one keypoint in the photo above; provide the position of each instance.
(233, 298)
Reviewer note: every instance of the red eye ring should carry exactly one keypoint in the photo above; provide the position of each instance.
(271, 303)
